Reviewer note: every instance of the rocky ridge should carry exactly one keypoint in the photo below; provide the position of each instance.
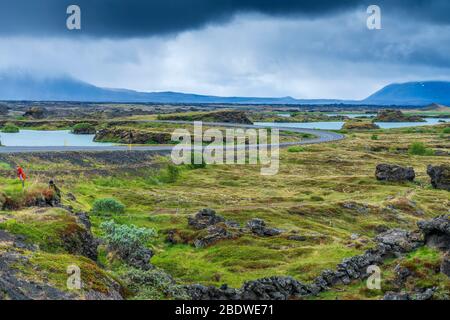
(213, 228)
(392, 243)
(132, 136)
(389, 115)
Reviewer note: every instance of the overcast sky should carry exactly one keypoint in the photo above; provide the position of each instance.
(304, 49)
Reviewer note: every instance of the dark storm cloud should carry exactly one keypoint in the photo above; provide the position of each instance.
(139, 18)
(120, 18)
(318, 49)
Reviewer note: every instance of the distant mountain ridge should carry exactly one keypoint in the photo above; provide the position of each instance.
(437, 107)
(413, 93)
(24, 87)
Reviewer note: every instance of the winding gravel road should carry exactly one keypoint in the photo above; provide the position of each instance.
(320, 137)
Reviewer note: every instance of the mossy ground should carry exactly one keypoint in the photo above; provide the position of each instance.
(52, 269)
(42, 227)
(306, 196)
(423, 263)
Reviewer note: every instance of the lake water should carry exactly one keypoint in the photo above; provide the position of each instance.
(39, 138)
(352, 115)
(337, 125)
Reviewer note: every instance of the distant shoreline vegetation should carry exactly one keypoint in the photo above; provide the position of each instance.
(83, 128)
(10, 128)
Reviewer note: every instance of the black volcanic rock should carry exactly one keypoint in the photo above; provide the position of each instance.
(436, 232)
(445, 265)
(205, 218)
(425, 294)
(4, 109)
(215, 233)
(399, 241)
(36, 113)
(258, 227)
(273, 288)
(440, 176)
(388, 172)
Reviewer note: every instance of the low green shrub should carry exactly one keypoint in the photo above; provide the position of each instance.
(296, 149)
(107, 206)
(128, 241)
(393, 149)
(170, 174)
(152, 284)
(5, 166)
(10, 128)
(374, 137)
(83, 128)
(193, 165)
(420, 149)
